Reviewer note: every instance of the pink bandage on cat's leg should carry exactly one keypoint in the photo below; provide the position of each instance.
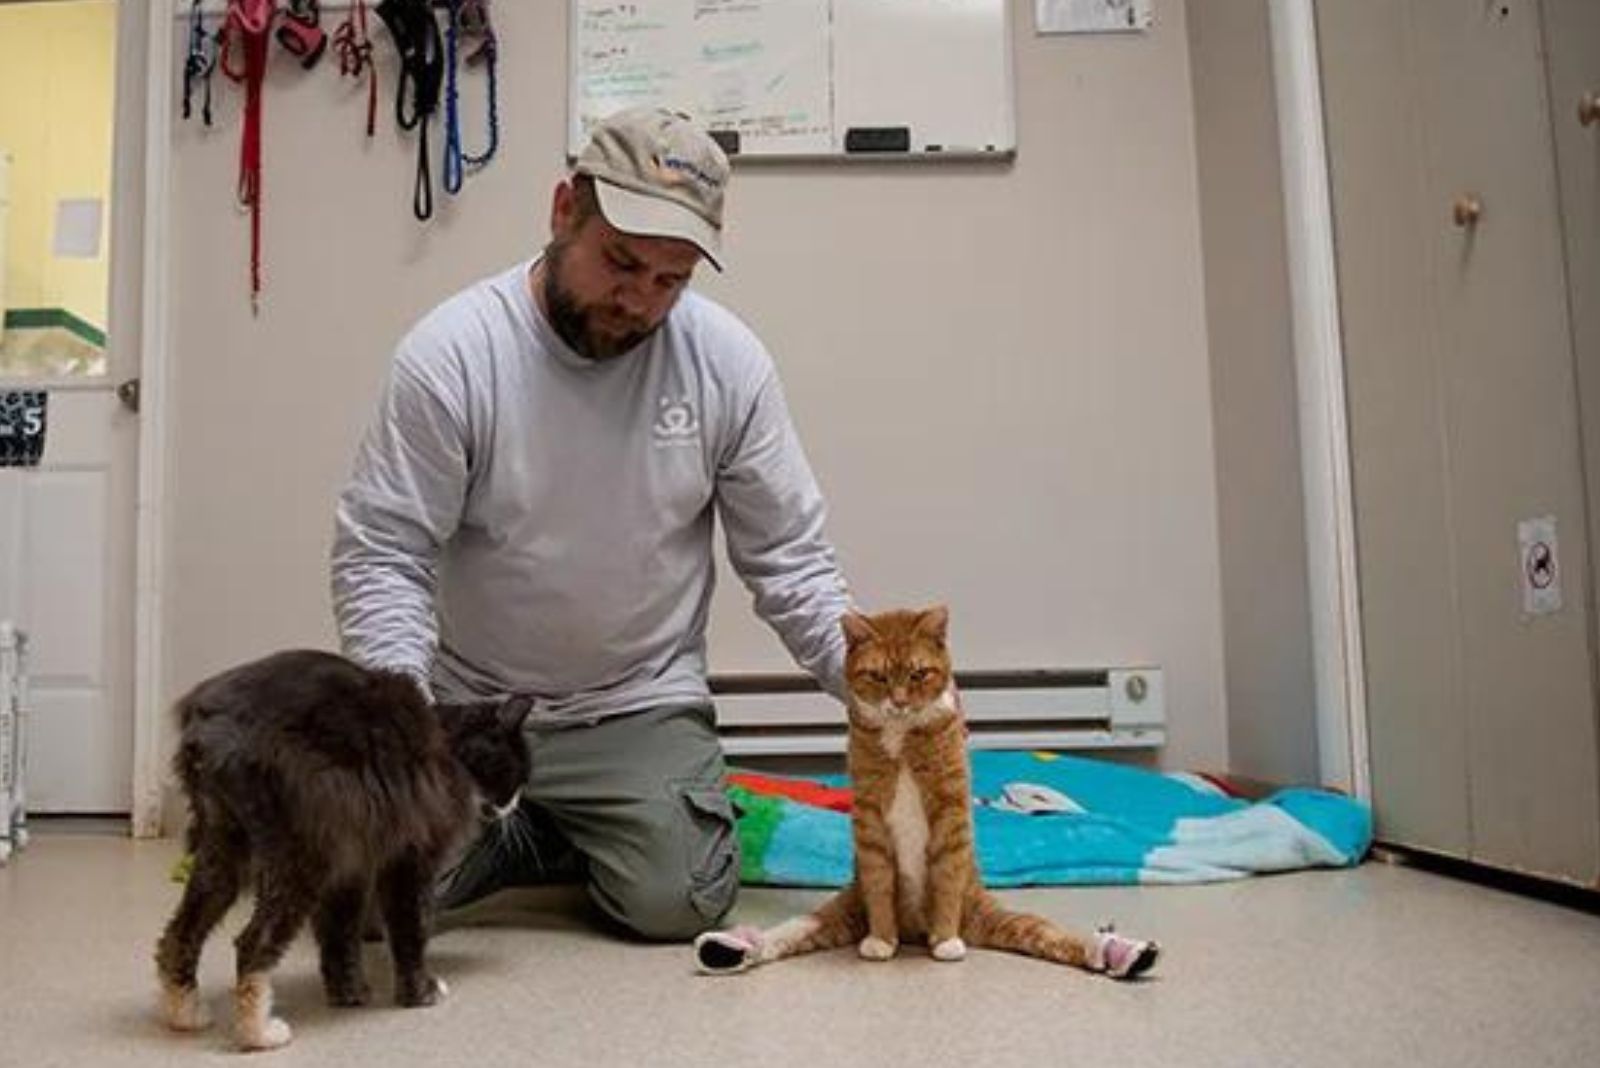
(1122, 958)
(728, 952)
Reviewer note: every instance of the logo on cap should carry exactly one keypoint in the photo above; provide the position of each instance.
(674, 170)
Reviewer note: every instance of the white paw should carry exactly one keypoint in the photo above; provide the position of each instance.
(271, 1033)
(727, 952)
(182, 1009)
(874, 948)
(950, 949)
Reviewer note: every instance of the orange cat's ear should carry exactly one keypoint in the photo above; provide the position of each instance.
(934, 622)
(856, 629)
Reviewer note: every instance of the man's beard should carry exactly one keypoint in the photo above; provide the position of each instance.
(573, 322)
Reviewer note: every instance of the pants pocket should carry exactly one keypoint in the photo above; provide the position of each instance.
(711, 842)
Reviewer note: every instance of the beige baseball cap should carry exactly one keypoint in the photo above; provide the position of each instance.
(658, 174)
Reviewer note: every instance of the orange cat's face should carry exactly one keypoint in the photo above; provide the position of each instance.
(897, 663)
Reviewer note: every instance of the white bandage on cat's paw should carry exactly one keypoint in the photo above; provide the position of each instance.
(272, 1033)
(727, 952)
(261, 1032)
(874, 948)
(182, 1009)
(253, 1023)
(950, 949)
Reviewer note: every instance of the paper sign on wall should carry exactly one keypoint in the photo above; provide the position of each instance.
(78, 227)
(1091, 16)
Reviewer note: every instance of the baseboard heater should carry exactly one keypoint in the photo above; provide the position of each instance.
(1099, 708)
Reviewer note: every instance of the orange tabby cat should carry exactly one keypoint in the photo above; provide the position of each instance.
(916, 869)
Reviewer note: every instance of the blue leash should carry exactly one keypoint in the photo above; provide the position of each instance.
(472, 17)
(452, 105)
(476, 14)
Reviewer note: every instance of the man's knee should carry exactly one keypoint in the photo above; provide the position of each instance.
(684, 876)
(669, 913)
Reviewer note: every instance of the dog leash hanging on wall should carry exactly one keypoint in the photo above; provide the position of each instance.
(354, 47)
(416, 38)
(249, 28)
(475, 23)
(199, 63)
(300, 33)
(468, 18)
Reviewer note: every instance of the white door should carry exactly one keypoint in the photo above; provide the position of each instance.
(63, 581)
(66, 524)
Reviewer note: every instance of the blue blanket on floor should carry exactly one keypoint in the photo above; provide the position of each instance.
(1048, 819)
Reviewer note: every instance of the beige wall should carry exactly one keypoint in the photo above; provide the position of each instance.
(1261, 522)
(1000, 372)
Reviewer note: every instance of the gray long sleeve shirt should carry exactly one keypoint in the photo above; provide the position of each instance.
(522, 519)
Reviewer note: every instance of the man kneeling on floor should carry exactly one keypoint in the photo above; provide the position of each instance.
(531, 512)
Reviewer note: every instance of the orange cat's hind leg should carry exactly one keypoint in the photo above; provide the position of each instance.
(991, 925)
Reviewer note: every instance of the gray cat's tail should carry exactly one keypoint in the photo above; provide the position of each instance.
(840, 921)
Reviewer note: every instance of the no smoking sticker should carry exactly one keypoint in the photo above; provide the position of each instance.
(1540, 564)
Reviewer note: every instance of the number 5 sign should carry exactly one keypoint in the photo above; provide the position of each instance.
(22, 426)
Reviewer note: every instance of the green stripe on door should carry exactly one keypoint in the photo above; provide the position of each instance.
(48, 318)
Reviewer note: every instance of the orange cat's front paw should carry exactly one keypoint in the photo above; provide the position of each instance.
(874, 948)
(950, 949)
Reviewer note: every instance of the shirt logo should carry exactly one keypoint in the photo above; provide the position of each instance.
(676, 423)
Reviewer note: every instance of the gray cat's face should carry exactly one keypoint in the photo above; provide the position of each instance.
(487, 738)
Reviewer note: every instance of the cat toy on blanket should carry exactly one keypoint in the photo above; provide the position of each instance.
(916, 870)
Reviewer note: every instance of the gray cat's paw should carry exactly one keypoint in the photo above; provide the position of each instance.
(874, 948)
(347, 996)
(421, 992)
(182, 1009)
(253, 1023)
(271, 1033)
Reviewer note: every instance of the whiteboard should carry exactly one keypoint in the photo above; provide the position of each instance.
(912, 79)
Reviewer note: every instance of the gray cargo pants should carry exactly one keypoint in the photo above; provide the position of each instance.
(640, 799)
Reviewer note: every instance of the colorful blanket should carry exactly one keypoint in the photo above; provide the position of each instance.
(1047, 819)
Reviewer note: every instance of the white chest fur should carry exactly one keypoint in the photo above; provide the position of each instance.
(908, 825)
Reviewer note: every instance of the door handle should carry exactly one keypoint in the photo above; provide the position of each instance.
(1589, 108)
(128, 394)
(1467, 210)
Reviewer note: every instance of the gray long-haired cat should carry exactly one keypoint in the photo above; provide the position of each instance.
(325, 783)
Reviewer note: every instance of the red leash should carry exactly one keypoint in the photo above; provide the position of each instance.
(250, 24)
(355, 55)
